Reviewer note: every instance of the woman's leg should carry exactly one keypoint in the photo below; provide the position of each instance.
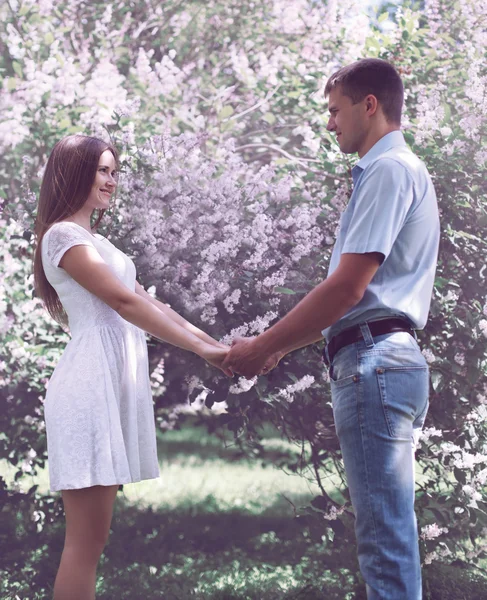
(88, 516)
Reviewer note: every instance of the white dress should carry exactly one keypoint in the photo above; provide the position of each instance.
(98, 408)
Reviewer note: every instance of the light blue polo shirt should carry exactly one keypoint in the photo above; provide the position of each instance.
(392, 210)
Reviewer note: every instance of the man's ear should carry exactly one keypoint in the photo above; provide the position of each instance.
(371, 104)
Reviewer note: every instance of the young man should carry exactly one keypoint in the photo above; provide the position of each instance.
(377, 292)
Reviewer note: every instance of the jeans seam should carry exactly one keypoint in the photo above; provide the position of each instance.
(382, 384)
(359, 391)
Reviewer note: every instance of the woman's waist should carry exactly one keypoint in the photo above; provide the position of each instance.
(79, 328)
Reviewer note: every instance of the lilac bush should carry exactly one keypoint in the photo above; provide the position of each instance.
(229, 199)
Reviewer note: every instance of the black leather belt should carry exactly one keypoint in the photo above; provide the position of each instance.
(354, 334)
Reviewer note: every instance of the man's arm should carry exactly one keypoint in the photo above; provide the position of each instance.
(323, 306)
(311, 339)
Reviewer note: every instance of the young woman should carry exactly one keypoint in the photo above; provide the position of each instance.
(98, 406)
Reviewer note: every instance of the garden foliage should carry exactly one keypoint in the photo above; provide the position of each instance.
(229, 199)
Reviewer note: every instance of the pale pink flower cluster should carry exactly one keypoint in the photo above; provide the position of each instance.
(290, 15)
(230, 301)
(475, 14)
(483, 327)
(432, 11)
(429, 432)
(300, 385)
(430, 112)
(455, 146)
(31, 346)
(451, 298)
(243, 385)
(179, 21)
(334, 513)
(157, 379)
(340, 199)
(441, 552)
(212, 240)
(460, 359)
(310, 140)
(242, 68)
(160, 78)
(430, 532)
(428, 354)
(482, 399)
(473, 495)
(468, 461)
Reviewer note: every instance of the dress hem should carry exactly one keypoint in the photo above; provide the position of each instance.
(62, 488)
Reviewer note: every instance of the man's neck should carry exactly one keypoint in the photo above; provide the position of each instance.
(374, 136)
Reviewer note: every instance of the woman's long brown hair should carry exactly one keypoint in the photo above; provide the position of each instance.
(68, 178)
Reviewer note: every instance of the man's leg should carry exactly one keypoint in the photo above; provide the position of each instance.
(380, 396)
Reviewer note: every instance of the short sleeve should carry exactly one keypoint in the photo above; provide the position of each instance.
(384, 197)
(63, 236)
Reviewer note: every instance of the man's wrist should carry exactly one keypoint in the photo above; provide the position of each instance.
(267, 343)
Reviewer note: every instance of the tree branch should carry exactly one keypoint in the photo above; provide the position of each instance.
(297, 159)
(256, 106)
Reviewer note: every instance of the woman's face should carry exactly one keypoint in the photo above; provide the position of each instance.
(105, 182)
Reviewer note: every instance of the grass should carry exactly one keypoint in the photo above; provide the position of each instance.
(195, 467)
(214, 527)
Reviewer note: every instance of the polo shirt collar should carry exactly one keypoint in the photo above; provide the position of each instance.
(390, 140)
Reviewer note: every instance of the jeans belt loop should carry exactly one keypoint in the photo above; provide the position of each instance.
(366, 334)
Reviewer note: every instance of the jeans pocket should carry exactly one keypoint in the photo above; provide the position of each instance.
(343, 381)
(404, 397)
(344, 400)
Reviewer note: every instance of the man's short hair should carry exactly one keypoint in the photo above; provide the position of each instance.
(371, 76)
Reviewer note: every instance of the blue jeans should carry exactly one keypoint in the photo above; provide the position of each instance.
(380, 398)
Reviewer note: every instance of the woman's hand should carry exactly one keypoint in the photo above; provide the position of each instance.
(215, 355)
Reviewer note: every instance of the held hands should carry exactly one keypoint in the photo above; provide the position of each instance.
(246, 358)
(215, 356)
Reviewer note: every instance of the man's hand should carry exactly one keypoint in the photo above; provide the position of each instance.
(245, 357)
(272, 362)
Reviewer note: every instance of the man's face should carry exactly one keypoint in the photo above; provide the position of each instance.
(347, 120)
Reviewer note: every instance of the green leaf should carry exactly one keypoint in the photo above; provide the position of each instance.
(23, 10)
(295, 94)
(269, 118)
(441, 282)
(48, 38)
(226, 111)
(372, 41)
(283, 290)
(17, 68)
(460, 475)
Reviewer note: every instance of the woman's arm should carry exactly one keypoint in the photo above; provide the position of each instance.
(176, 317)
(87, 268)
